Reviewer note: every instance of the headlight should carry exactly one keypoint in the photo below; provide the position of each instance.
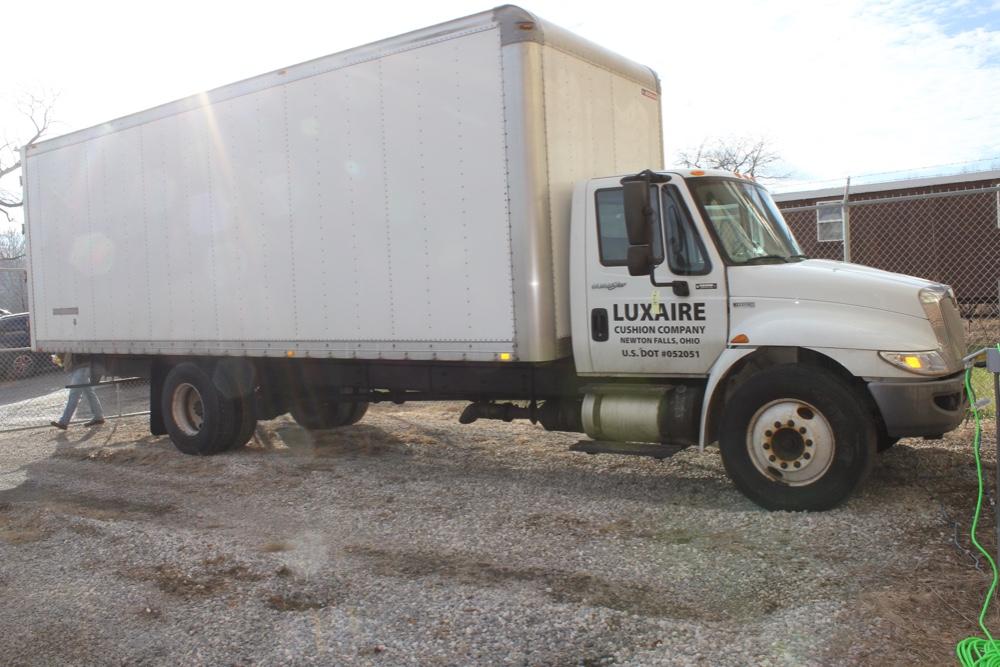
(922, 363)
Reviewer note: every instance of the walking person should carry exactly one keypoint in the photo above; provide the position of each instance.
(80, 369)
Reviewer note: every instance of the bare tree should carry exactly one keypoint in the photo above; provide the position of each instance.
(13, 286)
(37, 108)
(11, 245)
(743, 155)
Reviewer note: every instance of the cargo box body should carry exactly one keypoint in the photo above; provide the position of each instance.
(408, 199)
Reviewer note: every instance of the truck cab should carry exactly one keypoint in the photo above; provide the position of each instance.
(802, 369)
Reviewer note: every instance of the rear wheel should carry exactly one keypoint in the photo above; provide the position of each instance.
(319, 414)
(199, 419)
(246, 410)
(236, 381)
(796, 438)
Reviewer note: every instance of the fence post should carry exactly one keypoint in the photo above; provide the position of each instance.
(846, 215)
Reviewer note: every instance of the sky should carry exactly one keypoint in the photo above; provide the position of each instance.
(840, 88)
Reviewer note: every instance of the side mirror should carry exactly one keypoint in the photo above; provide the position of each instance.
(640, 260)
(638, 213)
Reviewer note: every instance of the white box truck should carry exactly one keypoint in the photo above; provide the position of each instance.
(475, 211)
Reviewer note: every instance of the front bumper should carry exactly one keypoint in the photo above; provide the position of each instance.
(921, 408)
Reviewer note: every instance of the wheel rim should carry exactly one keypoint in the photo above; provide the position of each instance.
(187, 409)
(21, 364)
(791, 441)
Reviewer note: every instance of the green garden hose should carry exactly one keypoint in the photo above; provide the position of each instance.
(977, 651)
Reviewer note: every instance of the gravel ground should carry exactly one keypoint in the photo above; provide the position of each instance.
(411, 540)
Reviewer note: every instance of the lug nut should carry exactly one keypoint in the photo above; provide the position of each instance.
(777, 424)
(790, 423)
(807, 456)
(809, 443)
(771, 458)
(769, 433)
(802, 429)
(784, 465)
(767, 445)
(798, 465)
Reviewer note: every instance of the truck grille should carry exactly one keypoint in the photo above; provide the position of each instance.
(949, 329)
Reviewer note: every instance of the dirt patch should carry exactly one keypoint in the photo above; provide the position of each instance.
(158, 453)
(297, 601)
(561, 522)
(86, 530)
(212, 577)
(567, 587)
(22, 528)
(924, 615)
(50, 499)
(358, 441)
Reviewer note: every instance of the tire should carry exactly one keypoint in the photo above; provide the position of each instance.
(321, 414)
(237, 383)
(821, 450)
(246, 419)
(199, 420)
(357, 413)
(21, 365)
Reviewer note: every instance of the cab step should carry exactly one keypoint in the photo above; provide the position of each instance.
(627, 448)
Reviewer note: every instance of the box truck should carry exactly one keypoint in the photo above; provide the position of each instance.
(475, 211)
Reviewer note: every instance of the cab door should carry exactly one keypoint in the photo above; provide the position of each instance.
(641, 328)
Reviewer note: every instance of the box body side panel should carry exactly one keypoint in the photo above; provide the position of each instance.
(359, 212)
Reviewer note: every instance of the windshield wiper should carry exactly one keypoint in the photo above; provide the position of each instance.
(780, 258)
(798, 256)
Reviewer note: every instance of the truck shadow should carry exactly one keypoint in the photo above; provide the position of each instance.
(432, 454)
(388, 456)
(360, 440)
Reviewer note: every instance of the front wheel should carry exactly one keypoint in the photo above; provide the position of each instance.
(796, 437)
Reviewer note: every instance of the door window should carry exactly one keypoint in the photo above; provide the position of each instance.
(611, 234)
(686, 255)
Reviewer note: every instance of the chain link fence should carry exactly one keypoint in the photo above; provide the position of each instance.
(950, 235)
(32, 386)
(36, 399)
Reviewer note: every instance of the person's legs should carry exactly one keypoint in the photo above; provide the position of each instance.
(95, 404)
(79, 376)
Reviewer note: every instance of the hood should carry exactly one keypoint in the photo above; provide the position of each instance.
(832, 282)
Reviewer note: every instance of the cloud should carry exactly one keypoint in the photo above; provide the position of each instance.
(846, 88)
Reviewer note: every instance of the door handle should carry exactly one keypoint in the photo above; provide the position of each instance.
(599, 324)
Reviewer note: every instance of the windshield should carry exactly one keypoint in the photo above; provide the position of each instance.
(745, 221)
